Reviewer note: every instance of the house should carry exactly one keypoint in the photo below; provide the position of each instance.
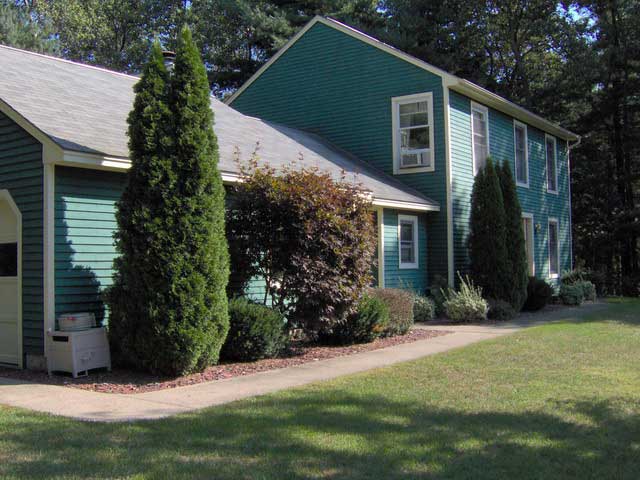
(350, 102)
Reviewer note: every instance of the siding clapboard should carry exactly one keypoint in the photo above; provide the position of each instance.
(21, 172)
(394, 276)
(534, 200)
(340, 88)
(85, 205)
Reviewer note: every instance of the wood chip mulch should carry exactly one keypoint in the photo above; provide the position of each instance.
(127, 381)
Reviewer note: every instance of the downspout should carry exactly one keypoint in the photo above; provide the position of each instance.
(569, 148)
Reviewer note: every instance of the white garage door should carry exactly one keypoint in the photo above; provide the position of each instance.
(9, 282)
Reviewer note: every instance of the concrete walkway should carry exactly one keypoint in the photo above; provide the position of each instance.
(108, 407)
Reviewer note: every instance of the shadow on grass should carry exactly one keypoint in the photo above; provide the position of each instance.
(310, 434)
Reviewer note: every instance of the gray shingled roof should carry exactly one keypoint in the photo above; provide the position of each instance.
(84, 109)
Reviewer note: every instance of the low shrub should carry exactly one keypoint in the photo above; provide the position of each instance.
(588, 290)
(467, 304)
(424, 309)
(500, 310)
(571, 294)
(438, 291)
(368, 322)
(400, 305)
(539, 294)
(255, 332)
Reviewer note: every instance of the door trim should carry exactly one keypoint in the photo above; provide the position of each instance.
(6, 196)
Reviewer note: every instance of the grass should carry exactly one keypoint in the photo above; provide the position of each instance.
(557, 401)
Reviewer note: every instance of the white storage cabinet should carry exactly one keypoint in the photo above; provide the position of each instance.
(78, 351)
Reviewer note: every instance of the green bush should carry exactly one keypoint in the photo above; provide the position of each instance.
(424, 309)
(255, 332)
(488, 255)
(400, 305)
(500, 310)
(438, 292)
(574, 276)
(539, 294)
(571, 294)
(588, 290)
(368, 322)
(467, 304)
(516, 285)
(168, 306)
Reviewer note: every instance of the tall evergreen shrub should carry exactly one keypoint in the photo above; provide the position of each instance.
(487, 238)
(168, 303)
(518, 277)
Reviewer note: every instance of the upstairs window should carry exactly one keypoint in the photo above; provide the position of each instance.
(408, 241)
(480, 135)
(552, 167)
(413, 133)
(521, 153)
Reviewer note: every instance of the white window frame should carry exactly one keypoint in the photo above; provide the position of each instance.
(480, 108)
(414, 220)
(555, 222)
(548, 137)
(531, 262)
(516, 125)
(395, 123)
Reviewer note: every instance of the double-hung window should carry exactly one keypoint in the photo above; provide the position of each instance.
(480, 135)
(408, 241)
(413, 133)
(554, 249)
(521, 153)
(552, 165)
(527, 226)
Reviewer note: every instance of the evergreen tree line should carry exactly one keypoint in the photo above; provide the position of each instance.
(576, 63)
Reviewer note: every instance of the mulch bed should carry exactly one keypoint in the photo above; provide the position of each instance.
(126, 381)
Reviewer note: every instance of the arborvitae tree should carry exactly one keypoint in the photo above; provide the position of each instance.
(518, 277)
(487, 250)
(168, 303)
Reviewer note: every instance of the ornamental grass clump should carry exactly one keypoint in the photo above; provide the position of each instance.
(466, 304)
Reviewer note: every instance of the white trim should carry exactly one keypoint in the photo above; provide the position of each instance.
(414, 220)
(517, 124)
(460, 85)
(483, 109)
(399, 205)
(49, 249)
(6, 196)
(553, 220)
(529, 216)
(380, 217)
(449, 184)
(548, 137)
(395, 126)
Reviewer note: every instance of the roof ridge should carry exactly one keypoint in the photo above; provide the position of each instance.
(64, 60)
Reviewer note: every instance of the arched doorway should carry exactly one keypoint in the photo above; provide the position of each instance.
(10, 281)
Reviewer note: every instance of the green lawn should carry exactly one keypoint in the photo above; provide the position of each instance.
(559, 401)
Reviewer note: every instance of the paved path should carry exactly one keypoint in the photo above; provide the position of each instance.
(109, 407)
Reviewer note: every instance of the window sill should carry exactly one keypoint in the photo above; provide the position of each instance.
(554, 276)
(552, 192)
(523, 185)
(408, 266)
(405, 170)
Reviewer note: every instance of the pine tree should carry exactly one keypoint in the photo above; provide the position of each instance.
(168, 303)
(518, 277)
(487, 239)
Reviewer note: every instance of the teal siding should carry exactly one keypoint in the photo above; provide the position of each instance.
(21, 172)
(395, 277)
(340, 88)
(535, 199)
(85, 203)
